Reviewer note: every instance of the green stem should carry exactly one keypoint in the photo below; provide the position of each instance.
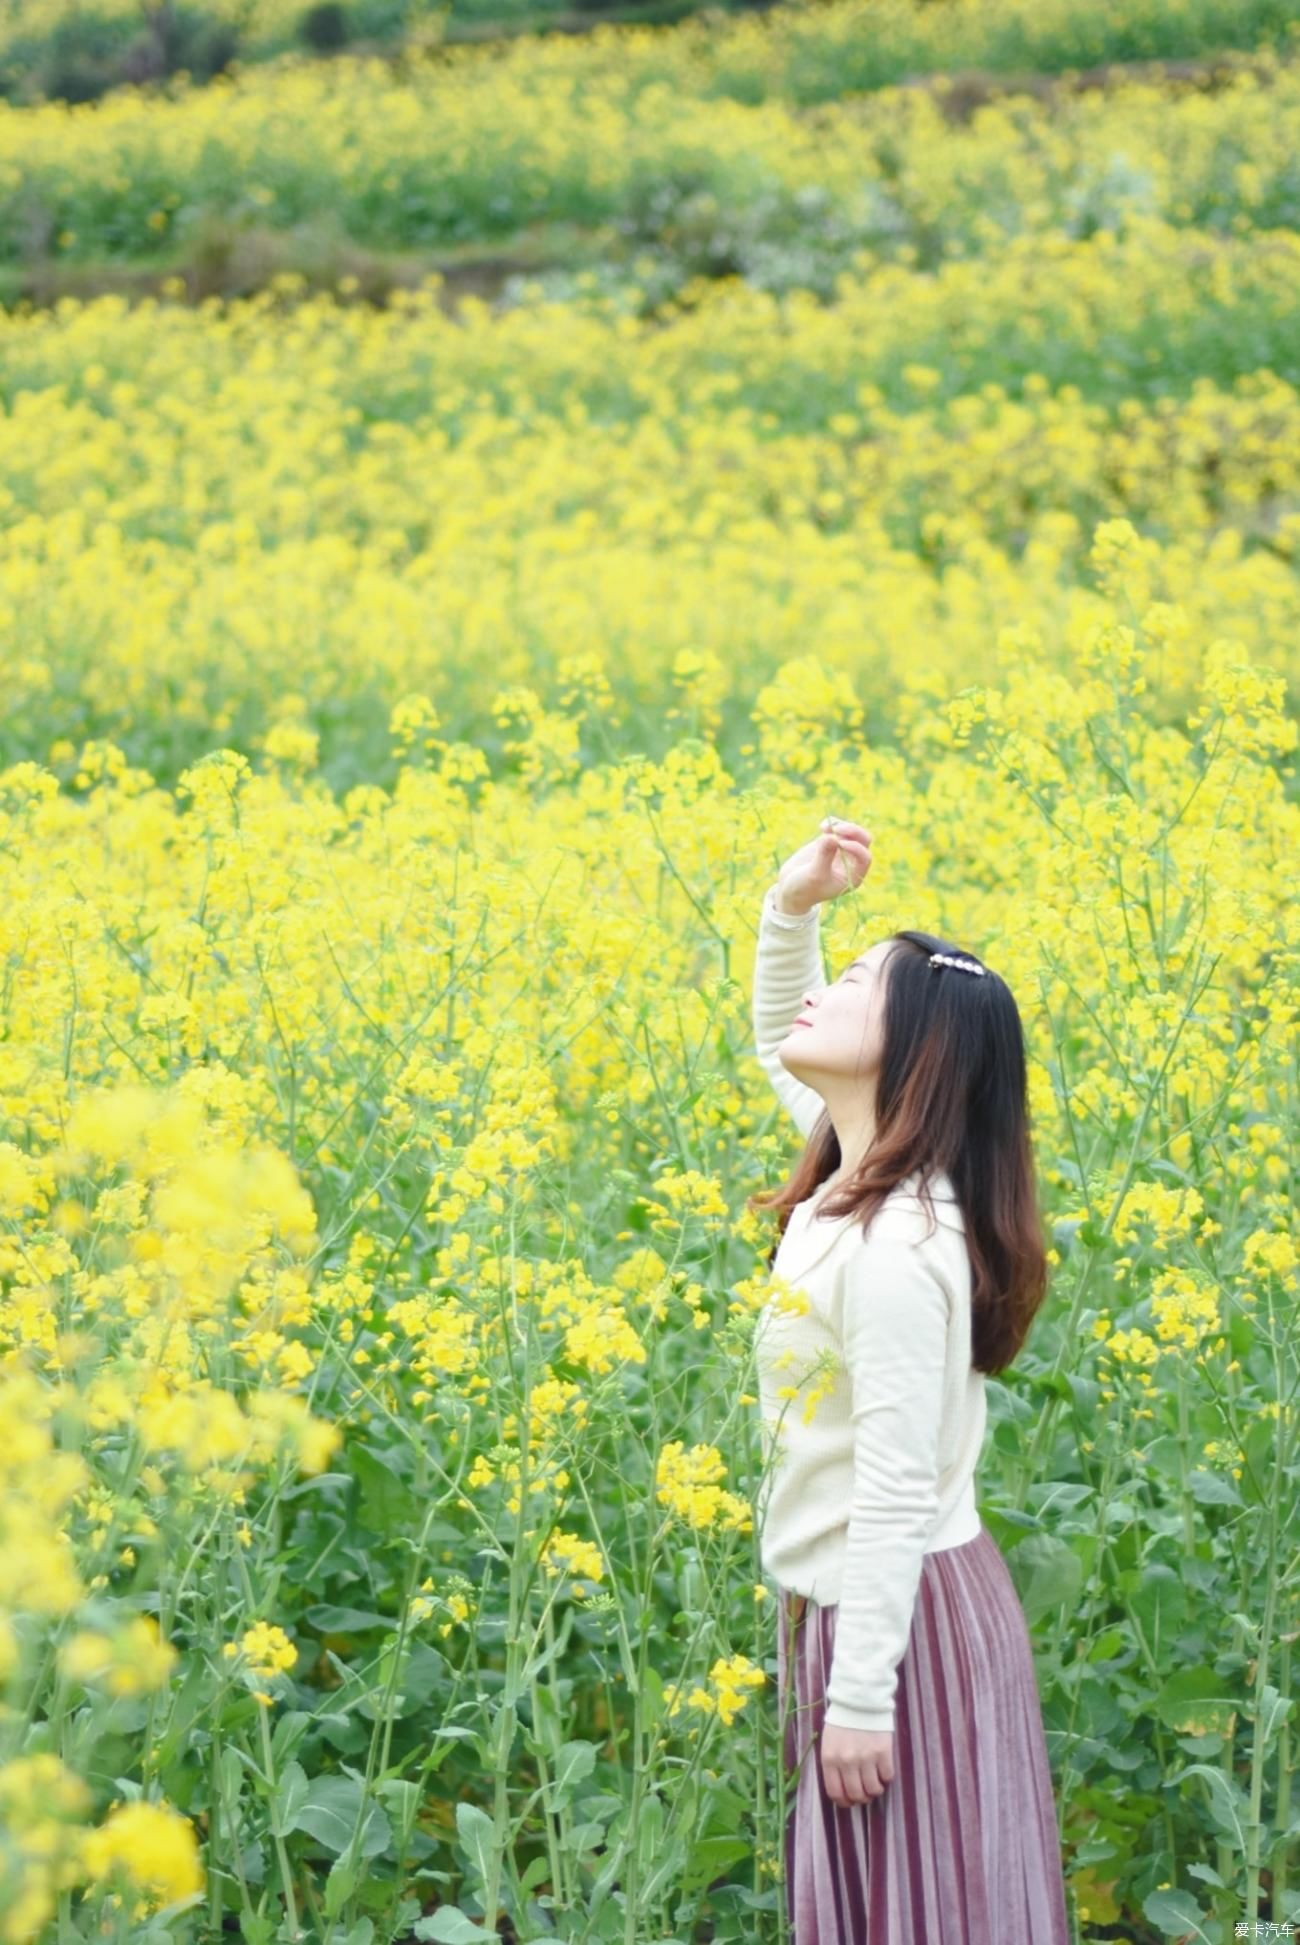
(1185, 1464)
(557, 1848)
(282, 1855)
(1259, 1743)
(1281, 1856)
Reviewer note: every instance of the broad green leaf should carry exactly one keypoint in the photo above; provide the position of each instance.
(478, 1835)
(346, 1620)
(449, 1926)
(330, 1813)
(1178, 1915)
(1227, 1800)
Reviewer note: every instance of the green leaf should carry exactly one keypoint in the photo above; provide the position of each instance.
(387, 1502)
(574, 1763)
(1213, 1488)
(316, 1483)
(190, 1701)
(709, 1859)
(478, 1835)
(536, 1873)
(1048, 1573)
(330, 1814)
(346, 1620)
(652, 1698)
(291, 1792)
(1110, 1642)
(450, 1926)
(402, 1800)
(362, 1933)
(669, 1867)
(289, 1732)
(1273, 1711)
(582, 1837)
(339, 1885)
(1228, 1804)
(230, 1771)
(1054, 1497)
(1158, 1598)
(649, 1832)
(1192, 1701)
(1176, 1913)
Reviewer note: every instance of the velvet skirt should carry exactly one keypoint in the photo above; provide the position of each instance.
(962, 1846)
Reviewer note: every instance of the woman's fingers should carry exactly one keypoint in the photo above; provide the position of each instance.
(835, 844)
(848, 1783)
(833, 861)
(846, 848)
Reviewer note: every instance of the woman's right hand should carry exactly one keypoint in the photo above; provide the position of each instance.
(834, 861)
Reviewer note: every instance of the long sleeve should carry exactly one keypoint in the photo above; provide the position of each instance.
(787, 966)
(894, 1332)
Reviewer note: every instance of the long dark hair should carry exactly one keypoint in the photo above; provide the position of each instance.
(951, 1096)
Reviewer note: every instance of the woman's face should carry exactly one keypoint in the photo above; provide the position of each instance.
(840, 1030)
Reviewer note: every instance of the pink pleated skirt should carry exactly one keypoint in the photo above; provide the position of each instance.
(962, 1846)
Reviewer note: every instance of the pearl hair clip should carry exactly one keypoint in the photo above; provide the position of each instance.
(963, 965)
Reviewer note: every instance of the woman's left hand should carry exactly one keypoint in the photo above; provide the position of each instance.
(856, 1763)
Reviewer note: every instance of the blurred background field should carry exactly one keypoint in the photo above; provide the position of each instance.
(76, 52)
(466, 513)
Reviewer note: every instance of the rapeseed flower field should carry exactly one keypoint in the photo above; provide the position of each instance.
(815, 53)
(407, 706)
(674, 156)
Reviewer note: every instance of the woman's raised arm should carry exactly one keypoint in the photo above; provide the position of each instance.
(787, 966)
(788, 959)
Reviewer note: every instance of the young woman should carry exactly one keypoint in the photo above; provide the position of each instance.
(909, 1235)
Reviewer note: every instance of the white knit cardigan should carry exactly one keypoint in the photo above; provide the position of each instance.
(871, 1408)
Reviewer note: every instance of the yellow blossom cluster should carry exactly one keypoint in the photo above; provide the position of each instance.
(142, 1855)
(732, 1679)
(266, 1649)
(569, 1553)
(689, 1483)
